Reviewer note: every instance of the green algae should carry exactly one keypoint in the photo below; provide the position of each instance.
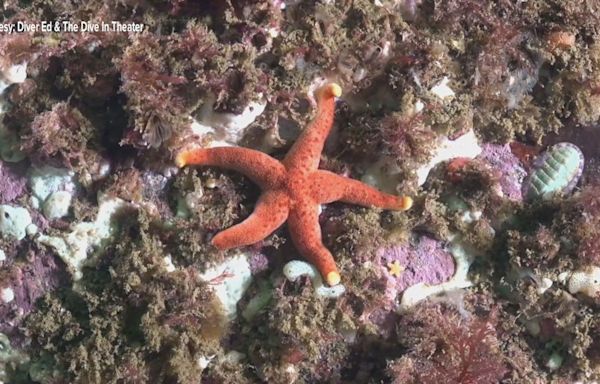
(10, 359)
(128, 318)
(284, 341)
(213, 201)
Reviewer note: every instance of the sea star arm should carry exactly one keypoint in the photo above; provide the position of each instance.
(258, 166)
(270, 212)
(306, 151)
(327, 187)
(303, 224)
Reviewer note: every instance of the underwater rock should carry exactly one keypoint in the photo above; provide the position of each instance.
(13, 75)
(382, 175)
(9, 145)
(153, 193)
(227, 125)
(259, 301)
(466, 146)
(423, 261)
(27, 282)
(7, 295)
(45, 180)
(14, 221)
(77, 246)
(12, 186)
(555, 171)
(508, 166)
(9, 357)
(229, 281)
(57, 205)
(463, 255)
(442, 90)
(296, 268)
(9, 141)
(258, 263)
(586, 281)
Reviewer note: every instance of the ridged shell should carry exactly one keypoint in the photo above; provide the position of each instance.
(556, 170)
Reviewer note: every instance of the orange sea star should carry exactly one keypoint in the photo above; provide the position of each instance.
(292, 189)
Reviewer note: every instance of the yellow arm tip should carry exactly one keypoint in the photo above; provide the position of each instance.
(333, 278)
(406, 203)
(180, 159)
(329, 91)
(335, 89)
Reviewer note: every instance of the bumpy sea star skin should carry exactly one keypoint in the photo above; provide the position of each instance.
(293, 189)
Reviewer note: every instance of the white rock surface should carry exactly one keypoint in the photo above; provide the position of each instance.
(31, 229)
(230, 125)
(442, 90)
(46, 180)
(585, 281)
(229, 281)
(204, 361)
(57, 205)
(169, 263)
(14, 221)
(77, 246)
(296, 268)
(7, 295)
(465, 146)
(383, 175)
(13, 75)
(545, 284)
(470, 216)
(202, 130)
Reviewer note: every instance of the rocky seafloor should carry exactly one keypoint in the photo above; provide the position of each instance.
(487, 113)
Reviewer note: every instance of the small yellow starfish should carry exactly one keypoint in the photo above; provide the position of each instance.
(395, 268)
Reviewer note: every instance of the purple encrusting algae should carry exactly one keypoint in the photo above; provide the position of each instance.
(511, 173)
(424, 261)
(28, 281)
(12, 184)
